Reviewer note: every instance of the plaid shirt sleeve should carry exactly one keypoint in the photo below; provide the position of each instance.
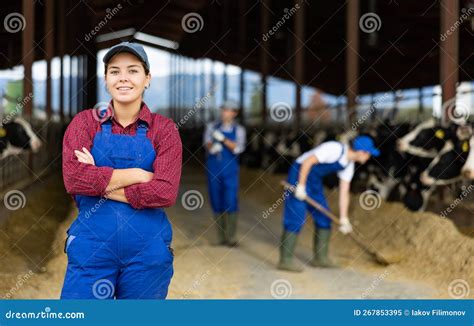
(163, 189)
(80, 178)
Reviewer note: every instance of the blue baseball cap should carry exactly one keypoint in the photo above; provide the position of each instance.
(366, 144)
(133, 48)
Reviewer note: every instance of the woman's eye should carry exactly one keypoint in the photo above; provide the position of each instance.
(114, 72)
(133, 71)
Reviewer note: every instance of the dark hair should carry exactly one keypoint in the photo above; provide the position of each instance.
(147, 71)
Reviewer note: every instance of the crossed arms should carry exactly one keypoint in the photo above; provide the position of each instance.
(140, 188)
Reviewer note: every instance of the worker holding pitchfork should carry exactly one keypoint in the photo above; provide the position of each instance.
(307, 173)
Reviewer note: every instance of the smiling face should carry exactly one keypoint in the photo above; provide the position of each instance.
(125, 78)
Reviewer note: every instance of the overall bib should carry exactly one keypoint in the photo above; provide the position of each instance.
(114, 250)
(223, 177)
(295, 209)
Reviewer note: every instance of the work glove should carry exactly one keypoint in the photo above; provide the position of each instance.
(300, 192)
(215, 148)
(345, 226)
(218, 135)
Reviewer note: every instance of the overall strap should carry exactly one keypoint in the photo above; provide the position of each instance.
(218, 125)
(342, 153)
(107, 127)
(142, 128)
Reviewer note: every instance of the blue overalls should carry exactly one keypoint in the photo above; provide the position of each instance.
(295, 209)
(223, 176)
(114, 250)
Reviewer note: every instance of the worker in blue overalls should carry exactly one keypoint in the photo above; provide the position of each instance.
(307, 173)
(224, 140)
(122, 167)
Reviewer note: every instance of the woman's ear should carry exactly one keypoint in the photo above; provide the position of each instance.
(148, 81)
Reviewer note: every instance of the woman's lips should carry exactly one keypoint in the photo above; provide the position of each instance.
(124, 89)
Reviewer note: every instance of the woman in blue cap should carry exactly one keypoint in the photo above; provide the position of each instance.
(122, 169)
(307, 174)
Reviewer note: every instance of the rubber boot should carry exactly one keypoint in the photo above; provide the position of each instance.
(220, 228)
(231, 231)
(321, 249)
(288, 262)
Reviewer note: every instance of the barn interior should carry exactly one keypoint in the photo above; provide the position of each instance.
(379, 68)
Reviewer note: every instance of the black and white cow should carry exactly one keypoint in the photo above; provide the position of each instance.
(435, 157)
(405, 155)
(446, 167)
(17, 136)
(426, 140)
(383, 173)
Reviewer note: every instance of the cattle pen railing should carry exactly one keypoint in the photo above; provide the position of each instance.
(28, 167)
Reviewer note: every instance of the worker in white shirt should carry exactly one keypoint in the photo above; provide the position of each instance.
(307, 173)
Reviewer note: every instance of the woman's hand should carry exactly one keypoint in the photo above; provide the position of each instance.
(85, 156)
(144, 176)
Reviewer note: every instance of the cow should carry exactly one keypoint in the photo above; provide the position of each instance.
(443, 169)
(425, 141)
(17, 136)
(405, 155)
(446, 167)
(383, 173)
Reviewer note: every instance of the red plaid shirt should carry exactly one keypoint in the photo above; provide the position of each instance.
(90, 180)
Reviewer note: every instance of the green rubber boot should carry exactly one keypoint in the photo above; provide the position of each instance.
(321, 249)
(287, 247)
(231, 231)
(220, 228)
